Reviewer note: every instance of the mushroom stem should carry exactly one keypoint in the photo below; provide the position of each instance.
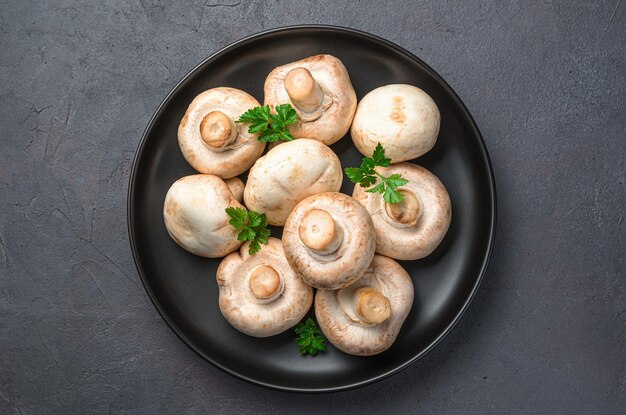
(372, 306)
(217, 129)
(303, 90)
(319, 232)
(406, 212)
(265, 283)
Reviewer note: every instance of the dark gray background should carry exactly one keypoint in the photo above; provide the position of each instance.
(545, 83)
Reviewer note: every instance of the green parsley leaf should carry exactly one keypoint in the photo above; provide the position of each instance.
(255, 219)
(379, 156)
(252, 226)
(287, 113)
(285, 136)
(367, 165)
(258, 117)
(254, 247)
(270, 127)
(354, 174)
(237, 216)
(263, 235)
(246, 234)
(269, 136)
(392, 196)
(379, 188)
(395, 181)
(366, 175)
(310, 340)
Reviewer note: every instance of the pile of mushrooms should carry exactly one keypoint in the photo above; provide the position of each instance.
(336, 249)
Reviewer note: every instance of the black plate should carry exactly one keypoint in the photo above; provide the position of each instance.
(182, 286)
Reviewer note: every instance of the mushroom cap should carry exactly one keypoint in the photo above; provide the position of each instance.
(412, 235)
(334, 81)
(345, 330)
(352, 255)
(289, 173)
(236, 155)
(261, 315)
(195, 216)
(236, 187)
(403, 118)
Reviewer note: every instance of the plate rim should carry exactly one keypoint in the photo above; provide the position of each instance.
(130, 219)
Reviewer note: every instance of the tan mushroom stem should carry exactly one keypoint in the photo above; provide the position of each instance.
(406, 212)
(364, 304)
(303, 90)
(319, 232)
(265, 283)
(372, 306)
(217, 129)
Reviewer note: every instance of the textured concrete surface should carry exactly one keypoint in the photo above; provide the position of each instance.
(545, 82)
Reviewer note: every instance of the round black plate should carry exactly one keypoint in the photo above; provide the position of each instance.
(182, 286)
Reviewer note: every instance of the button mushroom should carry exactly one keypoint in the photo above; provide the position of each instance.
(329, 240)
(260, 295)
(320, 90)
(289, 173)
(236, 187)
(209, 138)
(403, 118)
(195, 216)
(364, 318)
(413, 228)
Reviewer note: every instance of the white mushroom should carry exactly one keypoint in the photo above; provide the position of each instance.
(195, 216)
(209, 138)
(236, 187)
(413, 228)
(364, 318)
(320, 90)
(403, 118)
(260, 295)
(289, 173)
(329, 240)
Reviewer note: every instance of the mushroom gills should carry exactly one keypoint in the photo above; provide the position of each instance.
(306, 94)
(265, 284)
(406, 213)
(217, 130)
(365, 304)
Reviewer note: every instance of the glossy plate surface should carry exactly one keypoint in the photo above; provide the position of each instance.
(182, 286)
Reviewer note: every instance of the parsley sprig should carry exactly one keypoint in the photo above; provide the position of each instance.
(272, 127)
(310, 339)
(366, 176)
(252, 226)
